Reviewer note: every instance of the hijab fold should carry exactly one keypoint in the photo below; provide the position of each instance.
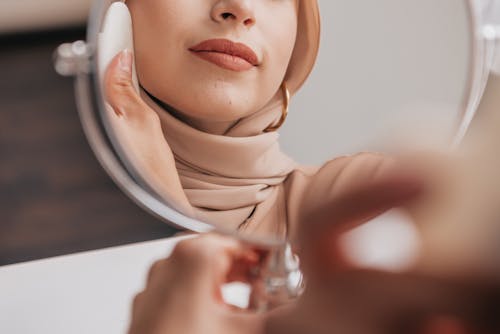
(224, 177)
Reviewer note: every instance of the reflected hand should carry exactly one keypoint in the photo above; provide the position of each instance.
(139, 133)
(182, 293)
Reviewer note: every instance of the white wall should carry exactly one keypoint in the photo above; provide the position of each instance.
(383, 65)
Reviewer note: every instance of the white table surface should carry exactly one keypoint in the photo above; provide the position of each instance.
(91, 292)
(88, 292)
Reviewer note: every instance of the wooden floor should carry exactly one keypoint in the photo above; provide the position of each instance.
(54, 197)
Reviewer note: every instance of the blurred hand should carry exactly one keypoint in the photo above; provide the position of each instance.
(335, 300)
(347, 192)
(183, 295)
(341, 298)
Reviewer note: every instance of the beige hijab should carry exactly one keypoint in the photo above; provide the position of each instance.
(236, 179)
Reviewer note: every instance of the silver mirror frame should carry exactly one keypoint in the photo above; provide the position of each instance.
(482, 50)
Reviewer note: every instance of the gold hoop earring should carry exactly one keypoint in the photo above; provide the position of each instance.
(284, 112)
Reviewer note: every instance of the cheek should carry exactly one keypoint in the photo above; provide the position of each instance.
(160, 30)
(281, 42)
(284, 41)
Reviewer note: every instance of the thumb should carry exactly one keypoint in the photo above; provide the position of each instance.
(119, 87)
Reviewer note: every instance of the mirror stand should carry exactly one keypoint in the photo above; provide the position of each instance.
(278, 279)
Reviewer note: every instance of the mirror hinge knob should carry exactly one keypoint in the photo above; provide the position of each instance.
(72, 58)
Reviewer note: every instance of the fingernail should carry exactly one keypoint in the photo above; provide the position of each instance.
(126, 61)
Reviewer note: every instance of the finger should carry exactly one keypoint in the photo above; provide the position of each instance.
(138, 301)
(207, 262)
(439, 175)
(119, 88)
(156, 269)
(212, 252)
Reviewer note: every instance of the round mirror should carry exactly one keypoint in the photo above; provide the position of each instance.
(192, 121)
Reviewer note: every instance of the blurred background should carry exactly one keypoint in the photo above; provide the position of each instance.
(54, 197)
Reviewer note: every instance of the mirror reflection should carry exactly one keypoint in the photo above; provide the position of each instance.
(197, 94)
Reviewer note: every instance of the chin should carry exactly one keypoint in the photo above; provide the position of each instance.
(218, 111)
(221, 104)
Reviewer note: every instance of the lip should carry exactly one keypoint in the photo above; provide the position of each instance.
(226, 54)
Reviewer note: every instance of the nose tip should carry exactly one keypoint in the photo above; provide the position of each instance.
(230, 16)
(234, 11)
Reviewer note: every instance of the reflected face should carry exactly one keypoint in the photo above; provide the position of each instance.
(213, 60)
